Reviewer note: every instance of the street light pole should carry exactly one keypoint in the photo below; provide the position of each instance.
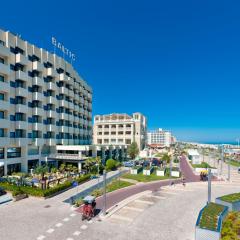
(104, 193)
(222, 160)
(209, 185)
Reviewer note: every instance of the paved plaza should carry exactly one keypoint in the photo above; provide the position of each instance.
(143, 211)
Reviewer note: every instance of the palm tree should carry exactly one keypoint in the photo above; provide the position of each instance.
(42, 170)
(133, 150)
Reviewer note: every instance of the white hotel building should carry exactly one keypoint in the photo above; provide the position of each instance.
(120, 130)
(43, 103)
(160, 138)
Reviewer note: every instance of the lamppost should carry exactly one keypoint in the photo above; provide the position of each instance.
(209, 185)
(104, 193)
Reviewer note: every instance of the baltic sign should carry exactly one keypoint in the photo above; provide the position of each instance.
(65, 50)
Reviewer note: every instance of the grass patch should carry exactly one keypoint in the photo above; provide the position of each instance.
(231, 198)
(144, 178)
(231, 227)
(112, 186)
(234, 163)
(202, 165)
(210, 214)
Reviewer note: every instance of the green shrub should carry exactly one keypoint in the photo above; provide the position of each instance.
(17, 192)
(111, 165)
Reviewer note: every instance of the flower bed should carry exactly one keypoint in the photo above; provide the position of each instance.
(37, 192)
(232, 201)
(230, 228)
(209, 222)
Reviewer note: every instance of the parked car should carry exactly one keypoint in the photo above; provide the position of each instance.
(2, 192)
(93, 177)
(128, 164)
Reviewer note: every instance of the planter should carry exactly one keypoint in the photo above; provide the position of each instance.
(148, 172)
(205, 233)
(20, 197)
(161, 172)
(175, 173)
(199, 170)
(233, 206)
(136, 171)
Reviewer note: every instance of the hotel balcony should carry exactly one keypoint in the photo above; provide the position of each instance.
(4, 141)
(4, 69)
(20, 108)
(71, 105)
(37, 66)
(71, 118)
(63, 103)
(21, 125)
(4, 51)
(21, 75)
(51, 114)
(51, 128)
(51, 72)
(37, 126)
(20, 142)
(23, 92)
(4, 86)
(63, 116)
(38, 81)
(71, 142)
(52, 100)
(5, 123)
(62, 77)
(4, 105)
(38, 141)
(63, 90)
(50, 141)
(51, 86)
(38, 111)
(37, 96)
(21, 59)
(63, 141)
(63, 129)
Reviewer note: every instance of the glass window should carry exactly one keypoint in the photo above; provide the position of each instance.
(1, 60)
(1, 96)
(1, 153)
(1, 78)
(1, 132)
(13, 152)
(2, 114)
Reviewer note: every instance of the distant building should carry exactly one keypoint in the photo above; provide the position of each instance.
(160, 138)
(194, 155)
(120, 129)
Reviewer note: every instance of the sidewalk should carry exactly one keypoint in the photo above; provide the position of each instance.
(85, 188)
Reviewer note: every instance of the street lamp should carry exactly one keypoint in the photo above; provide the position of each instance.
(209, 185)
(104, 193)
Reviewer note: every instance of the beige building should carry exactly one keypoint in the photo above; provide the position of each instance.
(120, 129)
(43, 103)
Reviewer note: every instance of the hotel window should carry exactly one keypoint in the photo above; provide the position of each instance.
(1, 153)
(2, 114)
(2, 60)
(1, 78)
(13, 152)
(2, 96)
(2, 43)
(1, 132)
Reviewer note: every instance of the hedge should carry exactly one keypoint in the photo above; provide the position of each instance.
(37, 192)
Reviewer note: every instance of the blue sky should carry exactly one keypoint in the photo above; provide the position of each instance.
(178, 62)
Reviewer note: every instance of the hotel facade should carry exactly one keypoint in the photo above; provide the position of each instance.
(160, 138)
(44, 104)
(120, 130)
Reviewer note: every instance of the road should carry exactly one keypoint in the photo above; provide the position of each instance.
(114, 197)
